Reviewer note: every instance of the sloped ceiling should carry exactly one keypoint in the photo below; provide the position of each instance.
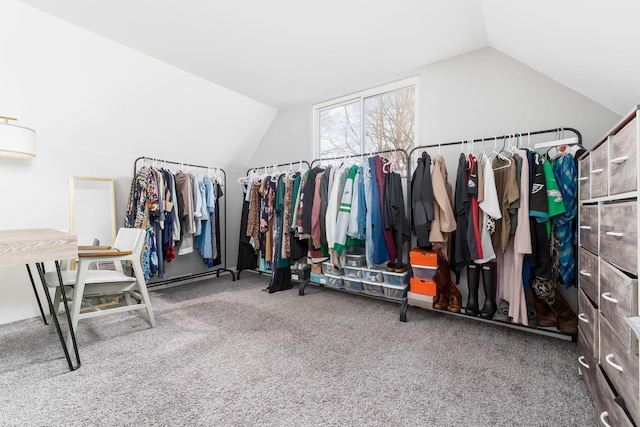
(286, 52)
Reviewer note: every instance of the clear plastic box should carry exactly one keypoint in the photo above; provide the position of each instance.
(394, 292)
(354, 285)
(355, 260)
(329, 268)
(396, 279)
(334, 281)
(372, 288)
(373, 274)
(318, 278)
(353, 272)
(423, 273)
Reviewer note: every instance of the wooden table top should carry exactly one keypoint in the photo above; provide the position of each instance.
(36, 245)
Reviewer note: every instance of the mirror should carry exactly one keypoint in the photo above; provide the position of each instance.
(93, 210)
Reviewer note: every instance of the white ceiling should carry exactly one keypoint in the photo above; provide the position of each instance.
(286, 52)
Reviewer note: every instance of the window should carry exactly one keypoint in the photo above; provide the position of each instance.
(379, 119)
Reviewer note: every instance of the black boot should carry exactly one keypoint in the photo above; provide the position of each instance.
(473, 283)
(489, 281)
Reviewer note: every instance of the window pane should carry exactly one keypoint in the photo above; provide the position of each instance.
(340, 130)
(389, 120)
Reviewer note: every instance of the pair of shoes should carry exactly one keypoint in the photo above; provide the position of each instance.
(400, 268)
(391, 266)
(449, 297)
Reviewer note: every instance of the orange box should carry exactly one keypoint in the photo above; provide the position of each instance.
(423, 257)
(424, 287)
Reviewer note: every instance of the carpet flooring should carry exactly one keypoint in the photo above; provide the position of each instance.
(228, 354)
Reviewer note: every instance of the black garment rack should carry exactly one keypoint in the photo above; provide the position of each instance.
(405, 157)
(205, 274)
(290, 164)
(537, 330)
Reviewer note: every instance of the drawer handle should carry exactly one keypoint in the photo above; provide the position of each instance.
(613, 365)
(614, 234)
(581, 361)
(585, 227)
(596, 171)
(619, 159)
(607, 296)
(582, 317)
(583, 178)
(604, 415)
(585, 273)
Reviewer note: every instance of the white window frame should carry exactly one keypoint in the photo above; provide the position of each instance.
(360, 96)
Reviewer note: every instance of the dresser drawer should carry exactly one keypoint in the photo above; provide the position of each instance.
(584, 179)
(618, 299)
(609, 413)
(587, 366)
(619, 235)
(599, 170)
(588, 274)
(623, 155)
(620, 366)
(589, 227)
(588, 323)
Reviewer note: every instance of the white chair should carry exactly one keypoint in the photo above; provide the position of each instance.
(85, 283)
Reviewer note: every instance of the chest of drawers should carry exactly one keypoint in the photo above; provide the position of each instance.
(607, 273)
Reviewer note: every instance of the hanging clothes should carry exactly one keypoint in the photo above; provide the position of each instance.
(510, 262)
(444, 221)
(395, 218)
(460, 256)
(490, 211)
(422, 201)
(565, 174)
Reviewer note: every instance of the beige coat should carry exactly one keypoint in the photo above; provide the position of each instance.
(444, 220)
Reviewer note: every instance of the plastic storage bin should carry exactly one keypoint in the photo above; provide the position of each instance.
(395, 279)
(353, 272)
(372, 288)
(373, 274)
(423, 272)
(329, 268)
(318, 278)
(335, 281)
(355, 260)
(394, 292)
(354, 285)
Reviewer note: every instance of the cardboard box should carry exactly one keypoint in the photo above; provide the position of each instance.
(424, 287)
(423, 257)
(419, 300)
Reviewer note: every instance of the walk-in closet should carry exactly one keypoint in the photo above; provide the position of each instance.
(381, 213)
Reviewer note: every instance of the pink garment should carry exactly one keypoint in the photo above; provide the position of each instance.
(510, 284)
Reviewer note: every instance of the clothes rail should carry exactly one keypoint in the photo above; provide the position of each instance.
(404, 156)
(298, 162)
(264, 168)
(493, 138)
(560, 131)
(195, 276)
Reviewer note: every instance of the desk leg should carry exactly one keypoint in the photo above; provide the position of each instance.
(54, 312)
(35, 291)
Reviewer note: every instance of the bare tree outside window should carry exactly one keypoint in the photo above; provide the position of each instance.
(340, 129)
(384, 121)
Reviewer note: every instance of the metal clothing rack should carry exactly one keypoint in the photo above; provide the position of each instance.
(290, 164)
(537, 330)
(203, 275)
(405, 157)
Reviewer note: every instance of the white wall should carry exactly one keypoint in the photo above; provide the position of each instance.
(96, 107)
(479, 94)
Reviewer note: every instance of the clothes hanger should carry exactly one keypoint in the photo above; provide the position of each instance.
(559, 141)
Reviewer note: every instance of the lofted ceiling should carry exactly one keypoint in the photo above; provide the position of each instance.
(286, 52)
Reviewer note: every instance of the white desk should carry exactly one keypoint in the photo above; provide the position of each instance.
(37, 246)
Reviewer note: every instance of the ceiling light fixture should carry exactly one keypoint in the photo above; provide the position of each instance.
(16, 141)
